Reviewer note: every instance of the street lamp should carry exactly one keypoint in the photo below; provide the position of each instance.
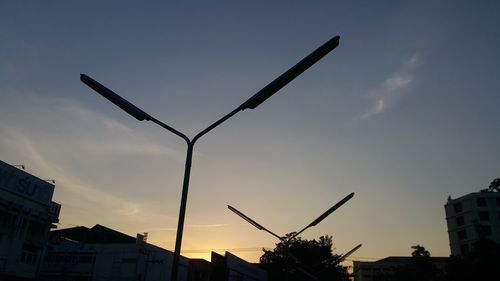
(325, 214)
(251, 103)
(344, 256)
(313, 223)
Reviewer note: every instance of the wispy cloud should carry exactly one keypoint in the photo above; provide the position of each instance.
(82, 193)
(68, 138)
(111, 137)
(79, 193)
(384, 96)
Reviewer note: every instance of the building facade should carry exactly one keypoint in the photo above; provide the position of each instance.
(26, 215)
(378, 270)
(472, 217)
(100, 253)
(232, 268)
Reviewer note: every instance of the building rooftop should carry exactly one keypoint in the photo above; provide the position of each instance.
(404, 260)
(98, 234)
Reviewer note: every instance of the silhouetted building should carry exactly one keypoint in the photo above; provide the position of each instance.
(471, 217)
(26, 216)
(232, 268)
(377, 270)
(100, 253)
(199, 270)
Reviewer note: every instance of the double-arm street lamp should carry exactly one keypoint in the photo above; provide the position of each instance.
(286, 240)
(313, 223)
(251, 103)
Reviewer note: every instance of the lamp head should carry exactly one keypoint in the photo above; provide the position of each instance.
(114, 98)
(332, 209)
(290, 74)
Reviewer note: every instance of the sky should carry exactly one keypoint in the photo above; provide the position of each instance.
(404, 113)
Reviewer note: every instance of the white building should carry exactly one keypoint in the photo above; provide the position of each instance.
(381, 269)
(471, 217)
(100, 253)
(26, 216)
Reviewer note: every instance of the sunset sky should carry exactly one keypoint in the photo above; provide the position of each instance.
(404, 113)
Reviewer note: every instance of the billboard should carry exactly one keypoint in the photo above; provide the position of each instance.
(16, 181)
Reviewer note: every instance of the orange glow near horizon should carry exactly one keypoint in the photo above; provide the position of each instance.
(202, 251)
(249, 254)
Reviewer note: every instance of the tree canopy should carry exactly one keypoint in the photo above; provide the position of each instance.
(495, 185)
(299, 259)
(481, 263)
(420, 268)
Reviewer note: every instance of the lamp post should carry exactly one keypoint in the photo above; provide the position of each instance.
(251, 103)
(313, 223)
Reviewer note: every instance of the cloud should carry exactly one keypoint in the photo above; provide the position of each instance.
(109, 137)
(384, 96)
(82, 194)
(59, 138)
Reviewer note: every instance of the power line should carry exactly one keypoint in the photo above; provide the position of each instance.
(250, 249)
(362, 258)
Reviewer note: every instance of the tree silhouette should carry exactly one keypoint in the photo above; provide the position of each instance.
(419, 253)
(420, 268)
(495, 185)
(481, 263)
(297, 259)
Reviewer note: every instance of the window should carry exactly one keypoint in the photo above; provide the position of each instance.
(21, 226)
(484, 216)
(30, 254)
(483, 230)
(36, 231)
(86, 259)
(498, 201)
(464, 249)
(129, 260)
(7, 222)
(481, 201)
(82, 276)
(486, 230)
(460, 221)
(462, 235)
(457, 207)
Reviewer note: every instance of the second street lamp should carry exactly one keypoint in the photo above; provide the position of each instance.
(286, 241)
(313, 223)
(251, 103)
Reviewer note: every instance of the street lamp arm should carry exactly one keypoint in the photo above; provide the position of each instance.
(332, 209)
(169, 128)
(290, 74)
(252, 222)
(300, 266)
(325, 214)
(278, 83)
(215, 124)
(343, 257)
(128, 107)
